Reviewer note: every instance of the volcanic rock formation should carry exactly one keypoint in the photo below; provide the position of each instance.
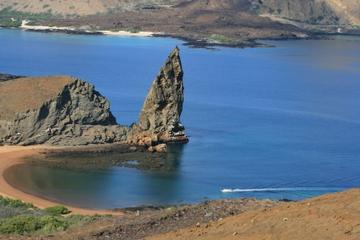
(55, 110)
(63, 110)
(160, 116)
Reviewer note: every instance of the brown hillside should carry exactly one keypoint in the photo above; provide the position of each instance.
(315, 11)
(80, 7)
(310, 11)
(331, 217)
(22, 94)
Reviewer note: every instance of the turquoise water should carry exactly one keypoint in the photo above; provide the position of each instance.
(279, 122)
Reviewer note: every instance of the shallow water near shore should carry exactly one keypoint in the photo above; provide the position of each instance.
(276, 123)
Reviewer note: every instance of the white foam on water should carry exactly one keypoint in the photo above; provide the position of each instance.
(240, 190)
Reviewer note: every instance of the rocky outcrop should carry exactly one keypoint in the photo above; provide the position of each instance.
(159, 120)
(77, 115)
(68, 111)
(6, 77)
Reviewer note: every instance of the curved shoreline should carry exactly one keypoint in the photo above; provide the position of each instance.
(122, 33)
(14, 155)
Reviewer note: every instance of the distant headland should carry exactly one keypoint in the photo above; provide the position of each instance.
(200, 23)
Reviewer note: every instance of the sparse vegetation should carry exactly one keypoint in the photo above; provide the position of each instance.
(57, 210)
(7, 202)
(13, 18)
(129, 29)
(25, 224)
(133, 30)
(17, 217)
(218, 38)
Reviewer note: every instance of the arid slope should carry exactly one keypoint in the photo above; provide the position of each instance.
(310, 11)
(322, 12)
(81, 7)
(333, 216)
(347, 9)
(32, 93)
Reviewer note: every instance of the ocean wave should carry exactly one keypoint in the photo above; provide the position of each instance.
(293, 189)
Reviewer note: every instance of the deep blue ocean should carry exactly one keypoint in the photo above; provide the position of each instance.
(279, 122)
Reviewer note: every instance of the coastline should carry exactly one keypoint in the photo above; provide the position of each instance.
(195, 43)
(210, 220)
(221, 219)
(329, 216)
(73, 30)
(14, 155)
(190, 42)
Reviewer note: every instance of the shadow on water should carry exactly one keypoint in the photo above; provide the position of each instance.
(165, 184)
(95, 179)
(174, 156)
(107, 158)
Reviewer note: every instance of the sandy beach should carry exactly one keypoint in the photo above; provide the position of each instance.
(13, 155)
(25, 26)
(129, 34)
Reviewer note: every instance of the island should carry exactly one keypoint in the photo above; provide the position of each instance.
(66, 111)
(201, 23)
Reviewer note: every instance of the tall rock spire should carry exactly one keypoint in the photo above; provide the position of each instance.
(160, 115)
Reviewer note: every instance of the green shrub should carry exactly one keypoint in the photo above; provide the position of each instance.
(29, 224)
(8, 202)
(218, 38)
(133, 29)
(78, 220)
(57, 210)
(13, 18)
(17, 217)
(10, 23)
(53, 223)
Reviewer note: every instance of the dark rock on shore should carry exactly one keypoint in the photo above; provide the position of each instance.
(6, 77)
(66, 31)
(105, 156)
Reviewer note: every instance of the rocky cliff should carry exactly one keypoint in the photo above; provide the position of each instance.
(68, 111)
(71, 113)
(160, 116)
